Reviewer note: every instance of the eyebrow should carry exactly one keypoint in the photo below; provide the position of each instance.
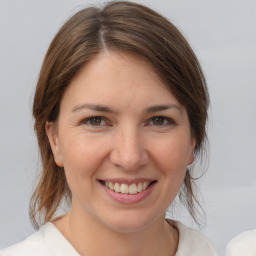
(102, 108)
(162, 107)
(96, 107)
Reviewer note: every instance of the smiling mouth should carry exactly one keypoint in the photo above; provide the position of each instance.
(123, 188)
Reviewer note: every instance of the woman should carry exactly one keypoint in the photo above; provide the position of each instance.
(120, 110)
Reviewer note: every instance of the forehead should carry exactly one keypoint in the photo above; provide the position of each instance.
(118, 78)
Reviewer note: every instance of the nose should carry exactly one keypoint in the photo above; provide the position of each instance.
(128, 151)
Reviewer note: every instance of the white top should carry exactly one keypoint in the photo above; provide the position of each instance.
(243, 245)
(49, 241)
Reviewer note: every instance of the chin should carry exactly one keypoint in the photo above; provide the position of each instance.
(129, 222)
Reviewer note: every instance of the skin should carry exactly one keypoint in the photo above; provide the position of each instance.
(124, 141)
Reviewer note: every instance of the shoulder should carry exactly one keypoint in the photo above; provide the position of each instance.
(32, 245)
(193, 242)
(243, 244)
(48, 241)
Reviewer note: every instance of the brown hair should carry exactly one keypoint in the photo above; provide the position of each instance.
(129, 27)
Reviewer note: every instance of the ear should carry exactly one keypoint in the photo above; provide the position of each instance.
(192, 157)
(51, 132)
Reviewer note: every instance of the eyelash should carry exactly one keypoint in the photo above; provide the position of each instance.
(88, 121)
(165, 121)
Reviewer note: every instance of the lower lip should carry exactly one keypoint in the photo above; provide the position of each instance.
(129, 198)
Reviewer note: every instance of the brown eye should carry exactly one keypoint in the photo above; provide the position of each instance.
(158, 120)
(96, 120)
(161, 121)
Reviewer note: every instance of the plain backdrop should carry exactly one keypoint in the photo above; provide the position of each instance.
(223, 35)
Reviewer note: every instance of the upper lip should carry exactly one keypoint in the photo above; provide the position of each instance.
(127, 181)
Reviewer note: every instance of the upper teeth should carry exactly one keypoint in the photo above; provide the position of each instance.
(127, 189)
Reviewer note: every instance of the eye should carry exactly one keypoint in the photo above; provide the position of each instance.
(94, 121)
(158, 120)
(161, 121)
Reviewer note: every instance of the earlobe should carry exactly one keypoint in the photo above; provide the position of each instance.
(192, 154)
(51, 132)
(191, 159)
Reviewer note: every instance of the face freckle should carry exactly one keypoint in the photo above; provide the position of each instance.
(124, 146)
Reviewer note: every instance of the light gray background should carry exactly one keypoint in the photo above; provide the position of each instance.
(223, 35)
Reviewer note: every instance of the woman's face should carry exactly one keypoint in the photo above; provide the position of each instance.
(124, 141)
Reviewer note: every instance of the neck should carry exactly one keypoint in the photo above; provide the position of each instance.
(89, 237)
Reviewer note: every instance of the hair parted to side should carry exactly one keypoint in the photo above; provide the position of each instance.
(124, 26)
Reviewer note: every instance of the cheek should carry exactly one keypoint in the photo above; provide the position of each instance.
(82, 156)
(171, 158)
(172, 155)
